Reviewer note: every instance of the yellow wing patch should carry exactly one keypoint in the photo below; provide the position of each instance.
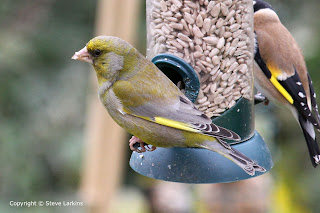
(175, 124)
(274, 70)
(167, 122)
(274, 73)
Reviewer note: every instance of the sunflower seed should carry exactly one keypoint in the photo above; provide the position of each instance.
(224, 9)
(214, 52)
(163, 6)
(183, 43)
(191, 4)
(206, 90)
(219, 23)
(184, 37)
(213, 88)
(215, 10)
(218, 99)
(206, 24)
(211, 40)
(231, 104)
(156, 4)
(199, 21)
(228, 3)
(207, 64)
(203, 108)
(188, 18)
(220, 43)
(177, 3)
(177, 26)
(167, 14)
(197, 54)
(222, 84)
(202, 100)
(212, 108)
(214, 70)
(210, 6)
(197, 32)
(209, 114)
(215, 60)
(225, 76)
(227, 90)
(201, 66)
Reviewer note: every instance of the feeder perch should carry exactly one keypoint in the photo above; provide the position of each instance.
(206, 48)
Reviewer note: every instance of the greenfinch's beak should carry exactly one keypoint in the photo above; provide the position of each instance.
(83, 55)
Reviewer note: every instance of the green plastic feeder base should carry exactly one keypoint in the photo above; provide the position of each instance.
(194, 165)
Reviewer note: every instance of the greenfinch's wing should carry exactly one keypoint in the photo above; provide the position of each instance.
(172, 109)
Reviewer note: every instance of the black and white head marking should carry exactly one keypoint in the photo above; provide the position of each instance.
(260, 4)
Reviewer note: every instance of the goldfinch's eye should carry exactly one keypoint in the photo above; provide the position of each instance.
(97, 52)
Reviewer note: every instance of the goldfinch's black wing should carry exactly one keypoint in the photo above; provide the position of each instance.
(290, 87)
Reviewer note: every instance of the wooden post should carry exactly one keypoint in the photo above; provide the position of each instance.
(105, 141)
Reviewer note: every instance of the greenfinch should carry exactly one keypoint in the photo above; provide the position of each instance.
(143, 101)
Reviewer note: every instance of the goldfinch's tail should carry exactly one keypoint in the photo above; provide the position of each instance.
(223, 148)
(313, 101)
(310, 136)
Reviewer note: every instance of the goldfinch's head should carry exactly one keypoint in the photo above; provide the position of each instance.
(260, 4)
(263, 14)
(107, 54)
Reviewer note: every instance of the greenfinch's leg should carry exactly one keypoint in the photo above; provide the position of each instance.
(143, 146)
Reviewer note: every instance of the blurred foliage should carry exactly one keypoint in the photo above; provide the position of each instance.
(42, 98)
(43, 104)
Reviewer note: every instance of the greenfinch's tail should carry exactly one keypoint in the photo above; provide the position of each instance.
(248, 165)
(223, 148)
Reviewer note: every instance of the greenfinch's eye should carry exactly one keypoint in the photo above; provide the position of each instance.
(97, 52)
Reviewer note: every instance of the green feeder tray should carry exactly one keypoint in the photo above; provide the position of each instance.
(194, 165)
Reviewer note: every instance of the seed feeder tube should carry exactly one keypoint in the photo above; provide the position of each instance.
(206, 48)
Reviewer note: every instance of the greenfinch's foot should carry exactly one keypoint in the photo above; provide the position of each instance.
(143, 146)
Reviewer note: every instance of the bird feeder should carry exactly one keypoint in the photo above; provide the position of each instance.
(206, 48)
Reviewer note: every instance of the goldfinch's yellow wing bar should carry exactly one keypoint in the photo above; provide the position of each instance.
(280, 88)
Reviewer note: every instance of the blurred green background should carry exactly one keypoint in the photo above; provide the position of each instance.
(43, 96)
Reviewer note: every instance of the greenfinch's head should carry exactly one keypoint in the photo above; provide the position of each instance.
(107, 54)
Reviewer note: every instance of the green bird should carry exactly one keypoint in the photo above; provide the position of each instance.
(143, 101)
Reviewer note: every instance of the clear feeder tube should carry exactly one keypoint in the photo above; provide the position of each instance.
(216, 38)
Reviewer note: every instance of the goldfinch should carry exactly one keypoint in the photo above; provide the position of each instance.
(281, 74)
(142, 100)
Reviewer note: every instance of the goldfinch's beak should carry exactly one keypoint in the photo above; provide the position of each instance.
(83, 55)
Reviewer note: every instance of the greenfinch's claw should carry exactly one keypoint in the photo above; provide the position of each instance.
(150, 149)
(142, 146)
